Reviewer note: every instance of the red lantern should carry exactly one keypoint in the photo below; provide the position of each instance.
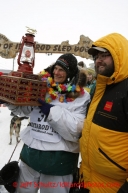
(26, 58)
(22, 87)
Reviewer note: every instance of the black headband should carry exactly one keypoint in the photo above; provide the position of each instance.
(63, 64)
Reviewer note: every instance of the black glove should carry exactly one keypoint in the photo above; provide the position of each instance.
(123, 188)
(45, 108)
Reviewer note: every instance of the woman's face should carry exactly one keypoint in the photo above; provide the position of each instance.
(89, 77)
(59, 74)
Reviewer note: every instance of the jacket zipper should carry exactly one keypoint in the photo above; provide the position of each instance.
(105, 155)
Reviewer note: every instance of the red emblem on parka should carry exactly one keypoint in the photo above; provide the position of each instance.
(108, 106)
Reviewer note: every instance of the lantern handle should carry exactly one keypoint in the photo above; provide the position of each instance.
(31, 31)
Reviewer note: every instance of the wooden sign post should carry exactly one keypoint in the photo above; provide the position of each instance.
(9, 49)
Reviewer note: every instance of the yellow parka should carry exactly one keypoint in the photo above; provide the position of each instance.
(99, 173)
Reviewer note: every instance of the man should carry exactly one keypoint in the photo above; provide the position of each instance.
(104, 141)
(51, 140)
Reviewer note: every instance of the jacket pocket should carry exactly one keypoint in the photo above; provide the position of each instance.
(108, 158)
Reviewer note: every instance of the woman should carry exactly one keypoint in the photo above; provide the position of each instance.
(51, 140)
(91, 81)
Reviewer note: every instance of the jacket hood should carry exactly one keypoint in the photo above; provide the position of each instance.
(82, 79)
(118, 47)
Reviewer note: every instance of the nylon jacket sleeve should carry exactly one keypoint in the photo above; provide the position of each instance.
(69, 123)
(19, 110)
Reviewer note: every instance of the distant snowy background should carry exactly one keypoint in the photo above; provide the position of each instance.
(6, 150)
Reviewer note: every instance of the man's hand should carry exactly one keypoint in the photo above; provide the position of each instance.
(45, 108)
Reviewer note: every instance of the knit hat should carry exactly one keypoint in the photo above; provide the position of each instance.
(8, 175)
(91, 71)
(69, 63)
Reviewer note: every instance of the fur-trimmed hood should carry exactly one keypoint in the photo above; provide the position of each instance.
(82, 79)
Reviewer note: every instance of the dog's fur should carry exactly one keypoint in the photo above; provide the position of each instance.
(15, 126)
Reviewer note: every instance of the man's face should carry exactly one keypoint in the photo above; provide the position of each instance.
(59, 74)
(104, 64)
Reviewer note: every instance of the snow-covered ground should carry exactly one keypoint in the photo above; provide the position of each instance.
(6, 150)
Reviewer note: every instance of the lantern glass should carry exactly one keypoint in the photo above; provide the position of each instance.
(27, 54)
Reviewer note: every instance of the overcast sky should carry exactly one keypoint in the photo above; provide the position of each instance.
(61, 20)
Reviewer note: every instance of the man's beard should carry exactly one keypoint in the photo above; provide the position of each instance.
(108, 70)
